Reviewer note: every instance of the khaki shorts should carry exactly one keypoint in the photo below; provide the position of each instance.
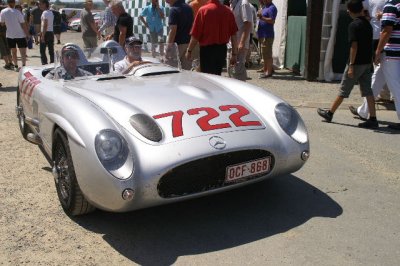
(266, 47)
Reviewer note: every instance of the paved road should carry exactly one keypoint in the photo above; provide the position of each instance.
(342, 208)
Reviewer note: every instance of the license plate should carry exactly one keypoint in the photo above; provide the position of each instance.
(256, 167)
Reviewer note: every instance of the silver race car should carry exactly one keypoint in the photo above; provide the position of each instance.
(153, 136)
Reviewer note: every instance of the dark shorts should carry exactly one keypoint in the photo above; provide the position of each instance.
(4, 50)
(362, 75)
(57, 29)
(20, 42)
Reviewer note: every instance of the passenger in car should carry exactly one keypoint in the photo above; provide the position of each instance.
(133, 58)
(69, 65)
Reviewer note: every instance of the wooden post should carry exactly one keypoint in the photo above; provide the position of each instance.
(315, 10)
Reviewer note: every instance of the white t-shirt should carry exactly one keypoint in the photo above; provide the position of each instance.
(243, 12)
(373, 7)
(121, 66)
(13, 19)
(47, 14)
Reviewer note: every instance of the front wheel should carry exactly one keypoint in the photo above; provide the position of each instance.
(69, 193)
(23, 127)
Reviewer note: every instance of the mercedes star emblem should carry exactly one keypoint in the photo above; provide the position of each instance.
(217, 143)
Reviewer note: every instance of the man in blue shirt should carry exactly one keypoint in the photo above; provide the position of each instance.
(266, 35)
(180, 23)
(154, 15)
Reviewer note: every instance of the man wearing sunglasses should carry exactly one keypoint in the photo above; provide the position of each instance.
(133, 58)
(69, 65)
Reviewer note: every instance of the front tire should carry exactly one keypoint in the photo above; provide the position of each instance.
(23, 127)
(69, 193)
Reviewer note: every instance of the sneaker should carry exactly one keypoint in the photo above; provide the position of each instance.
(369, 124)
(395, 126)
(58, 42)
(264, 76)
(325, 114)
(9, 66)
(353, 110)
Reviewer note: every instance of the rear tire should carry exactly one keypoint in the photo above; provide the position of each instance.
(23, 127)
(69, 193)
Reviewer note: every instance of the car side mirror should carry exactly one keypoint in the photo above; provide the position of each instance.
(108, 50)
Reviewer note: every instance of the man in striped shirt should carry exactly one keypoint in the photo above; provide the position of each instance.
(388, 52)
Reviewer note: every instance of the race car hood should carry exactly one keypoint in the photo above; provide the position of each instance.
(184, 105)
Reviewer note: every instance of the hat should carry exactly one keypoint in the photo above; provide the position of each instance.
(132, 39)
(69, 49)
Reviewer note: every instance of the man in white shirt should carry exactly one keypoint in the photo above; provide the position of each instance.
(133, 58)
(17, 31)
(46, 34)
(244, 20)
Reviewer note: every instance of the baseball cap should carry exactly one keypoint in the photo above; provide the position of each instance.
(132, 39)
(69, 50)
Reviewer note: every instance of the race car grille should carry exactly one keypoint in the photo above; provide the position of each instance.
(207, 173)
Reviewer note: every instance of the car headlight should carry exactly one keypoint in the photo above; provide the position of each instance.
(290, 122)
(113, 153)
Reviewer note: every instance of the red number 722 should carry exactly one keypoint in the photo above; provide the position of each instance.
(210, 113)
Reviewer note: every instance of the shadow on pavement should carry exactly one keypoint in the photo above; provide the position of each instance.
(158, 236)
(8, 89)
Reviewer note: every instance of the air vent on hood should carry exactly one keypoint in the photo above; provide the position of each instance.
(146, 126)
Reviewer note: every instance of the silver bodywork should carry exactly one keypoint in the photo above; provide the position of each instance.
(84, 107)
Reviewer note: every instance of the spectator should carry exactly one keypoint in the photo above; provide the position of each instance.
(16, 33)
(195, 5)
(5, 53)
(36, 20)
(266, 35)
(252, 41)
(242, 11)
(124, 26)
(154, 15)
(109, 20)
(46, 33)
(133, 58)
(213, 26)
(358, 68)
(56, 23)
(373, 10)
(26, 11)
(90, 34)
(180, 22)
(389, 59)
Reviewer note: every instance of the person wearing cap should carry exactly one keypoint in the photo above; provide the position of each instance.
(17, 32)
(69, 65)
(133, 58)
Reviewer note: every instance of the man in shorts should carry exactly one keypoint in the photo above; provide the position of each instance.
(17, 31)
(266, 35)
(90, 34)
(36, 20)
(358, 68)
(154, 15)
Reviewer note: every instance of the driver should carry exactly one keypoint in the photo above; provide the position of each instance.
(69, 65)
(133, 58)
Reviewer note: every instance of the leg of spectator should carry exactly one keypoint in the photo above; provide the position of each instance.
(391, 70)
(51, 47)
(14, 56)
(43, 56)
(378, 81)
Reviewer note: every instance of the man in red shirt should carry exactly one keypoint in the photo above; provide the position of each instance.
(213, 27)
